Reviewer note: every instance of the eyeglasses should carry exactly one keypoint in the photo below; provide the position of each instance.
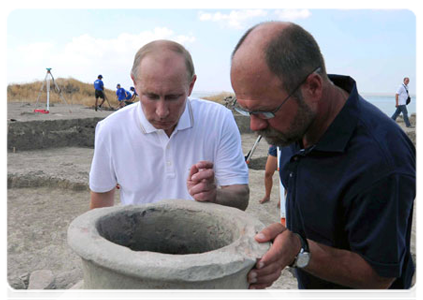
(269, 114)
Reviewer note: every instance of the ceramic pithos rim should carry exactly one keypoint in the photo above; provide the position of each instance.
(85, 240)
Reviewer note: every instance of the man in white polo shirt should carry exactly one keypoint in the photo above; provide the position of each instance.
(168, 146)
(401, 102)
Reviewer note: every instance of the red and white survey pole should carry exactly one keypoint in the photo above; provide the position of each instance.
(47, 83)
(48, 90)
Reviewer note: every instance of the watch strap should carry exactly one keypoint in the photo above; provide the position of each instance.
(304, 248)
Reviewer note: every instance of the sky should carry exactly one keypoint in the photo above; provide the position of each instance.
(377, 47)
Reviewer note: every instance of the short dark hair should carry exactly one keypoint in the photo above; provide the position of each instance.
(291, 55)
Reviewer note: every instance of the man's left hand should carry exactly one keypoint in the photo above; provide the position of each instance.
(201, 183)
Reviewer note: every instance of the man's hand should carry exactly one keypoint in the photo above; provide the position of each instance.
(200, 182)
(339, 266)
(283, 251)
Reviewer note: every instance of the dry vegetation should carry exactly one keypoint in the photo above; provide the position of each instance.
(219, 98)
(74, 92)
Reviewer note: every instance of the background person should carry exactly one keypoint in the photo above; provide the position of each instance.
(120, 95)
(270, 168)
(99, 91)
(168, 146)
(349, 171)
(130, 96)
(401, 102)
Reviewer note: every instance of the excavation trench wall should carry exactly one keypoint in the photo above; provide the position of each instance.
(51, 134)
(44, 134)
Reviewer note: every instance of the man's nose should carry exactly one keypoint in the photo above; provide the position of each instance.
(162, 109)
(257, 124)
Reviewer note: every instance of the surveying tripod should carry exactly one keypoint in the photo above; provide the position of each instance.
(47, 82)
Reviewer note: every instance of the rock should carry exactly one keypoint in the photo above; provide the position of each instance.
(66, 280)
(25, 278)
(15, 288)
(41, 280)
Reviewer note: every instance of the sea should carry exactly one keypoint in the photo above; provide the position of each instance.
(385, 103)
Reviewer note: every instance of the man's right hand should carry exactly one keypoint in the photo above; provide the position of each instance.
(286, 245)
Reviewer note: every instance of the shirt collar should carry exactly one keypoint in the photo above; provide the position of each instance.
(185, 121)
(338, 134)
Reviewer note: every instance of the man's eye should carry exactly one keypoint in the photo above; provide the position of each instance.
(152, 96)
(172, 97)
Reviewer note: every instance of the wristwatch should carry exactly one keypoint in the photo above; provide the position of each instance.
(303, 257)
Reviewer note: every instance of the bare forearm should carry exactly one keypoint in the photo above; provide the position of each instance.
(102, 199)
(344, 267)
(235, 196)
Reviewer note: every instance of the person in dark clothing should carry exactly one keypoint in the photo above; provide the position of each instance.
(348, 169)
(99, 91)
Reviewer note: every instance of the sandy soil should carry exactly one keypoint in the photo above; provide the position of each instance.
(49, 188)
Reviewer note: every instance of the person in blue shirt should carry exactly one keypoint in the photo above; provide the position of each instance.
(121, 95)
(130, 98)
(349, 170)
(99, 91)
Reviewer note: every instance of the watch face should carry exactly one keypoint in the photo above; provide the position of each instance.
(303, 259)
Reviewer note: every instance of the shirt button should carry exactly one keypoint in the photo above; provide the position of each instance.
(291, 174)
(169, 163)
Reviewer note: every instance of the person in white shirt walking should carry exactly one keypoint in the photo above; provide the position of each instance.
(401, 102)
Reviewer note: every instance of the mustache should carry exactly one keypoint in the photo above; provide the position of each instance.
(277, 138)
(269, 132)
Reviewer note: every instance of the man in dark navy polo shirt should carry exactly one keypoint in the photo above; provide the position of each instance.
(348, 169)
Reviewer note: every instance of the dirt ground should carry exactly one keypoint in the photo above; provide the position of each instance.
(48, 188)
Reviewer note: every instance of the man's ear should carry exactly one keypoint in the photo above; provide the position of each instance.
(314, 87)
(191, 85)
(134, 84)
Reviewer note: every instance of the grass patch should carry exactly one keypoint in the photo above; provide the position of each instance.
(74, 92)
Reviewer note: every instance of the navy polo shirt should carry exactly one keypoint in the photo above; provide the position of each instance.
(354, 189)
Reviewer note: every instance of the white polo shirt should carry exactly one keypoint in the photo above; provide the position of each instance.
(402, 95)
(149, 166)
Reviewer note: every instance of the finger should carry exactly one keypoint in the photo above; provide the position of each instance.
(204, 174)
(204, 197)
(193, 171)
(282, 252)
(202, 186)
(273, 268)
(204, 164)
(270, 232)
(265, 280)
